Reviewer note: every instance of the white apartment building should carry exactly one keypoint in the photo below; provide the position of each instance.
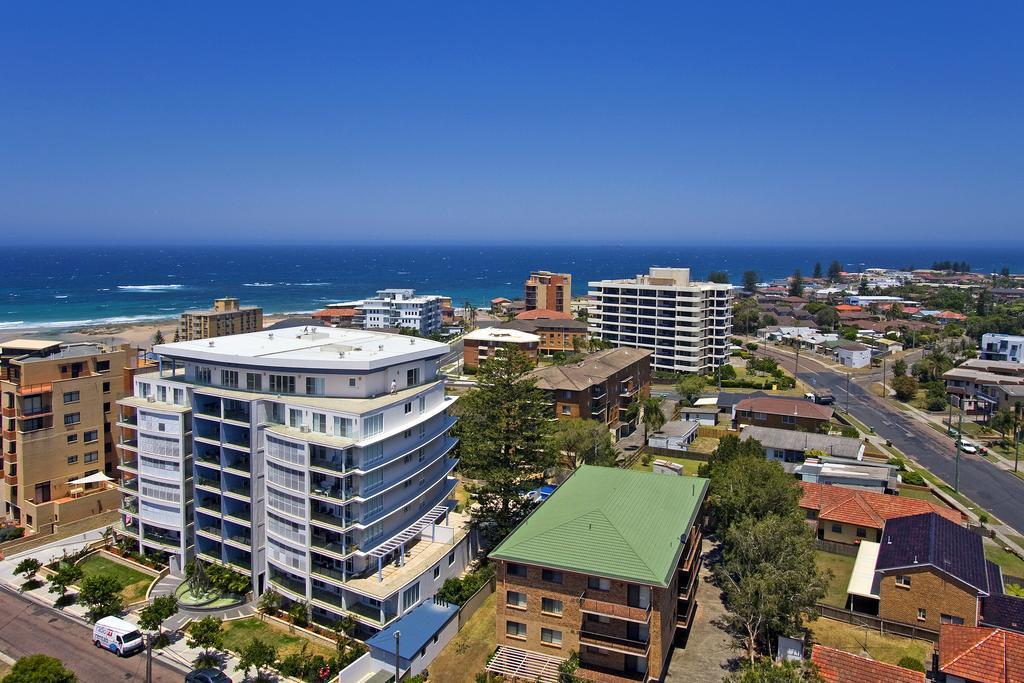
(686, 323)
(1008, 347)
(316, 460)
(397, 308)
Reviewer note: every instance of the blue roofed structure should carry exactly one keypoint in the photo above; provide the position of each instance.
(418, 629)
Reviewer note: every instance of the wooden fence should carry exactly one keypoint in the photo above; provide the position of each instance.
(714, 432)
(837, 548)
(877, 623)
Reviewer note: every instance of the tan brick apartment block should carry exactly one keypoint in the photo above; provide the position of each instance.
(930, 591)
(226, 317)
(548, 291)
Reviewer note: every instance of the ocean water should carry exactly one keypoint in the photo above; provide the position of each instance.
(88, 286)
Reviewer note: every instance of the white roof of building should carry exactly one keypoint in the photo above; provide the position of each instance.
(323, 348)
(501, 334)
(706, 401)
(863, 576)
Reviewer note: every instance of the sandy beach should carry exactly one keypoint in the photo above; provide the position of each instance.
(138, 335)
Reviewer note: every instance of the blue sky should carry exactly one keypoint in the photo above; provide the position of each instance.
(486, 121)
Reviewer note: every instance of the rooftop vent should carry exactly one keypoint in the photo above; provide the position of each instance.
(211, 342)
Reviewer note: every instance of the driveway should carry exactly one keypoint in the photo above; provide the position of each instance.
(710, 651)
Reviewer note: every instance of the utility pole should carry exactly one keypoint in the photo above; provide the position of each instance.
(847, 393)
(956, 440)
(796, 368)
(398, 635)
(885, 394)
(149, 658)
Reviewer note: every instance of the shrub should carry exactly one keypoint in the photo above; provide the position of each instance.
(9, 533)
(850, 432)
(39, 669)
(913, 478)
(458, 590)
(912, 663)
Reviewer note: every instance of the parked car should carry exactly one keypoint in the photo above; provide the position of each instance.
(207, 676)
(821, 397)
(968, 447)
(117, 635)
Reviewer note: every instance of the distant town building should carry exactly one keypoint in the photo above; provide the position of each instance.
(787, 445)
(781, 413)
(674, 437)
(339, 316)
(548, 291)
(852, 354)
(226, 317)
(397, 309)
(556, 333)
(316, 461)
(561, 588)
(686, 324)
(972, 383)
(600, 387)
(481, 345)
(996, 346)
(59, 429)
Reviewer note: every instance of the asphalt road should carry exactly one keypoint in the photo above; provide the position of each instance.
(27, 628)
(995, 490)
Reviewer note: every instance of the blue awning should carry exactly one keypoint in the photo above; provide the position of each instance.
(418, 627)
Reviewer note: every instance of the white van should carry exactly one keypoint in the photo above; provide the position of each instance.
(117, 635)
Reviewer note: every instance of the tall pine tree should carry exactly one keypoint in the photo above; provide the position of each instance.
(504, 430)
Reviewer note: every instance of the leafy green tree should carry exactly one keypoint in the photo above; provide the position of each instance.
(719, 276)
(912, 663)
(648, 411)
(749, 486)
(158, 338)
(835, 270)
(1002, 421)
(153, 615)
(827, 318)
(899, 367)
(726, 371)
(769, 576)
(849, 333)
(766, 670)
(582, 442)
(750, 281)
(208, 634)
(863, 287)
(905, 387)
(728, 449)
(256, 654)
(746, 316)
(796, 284)
(101, 594)
(66, 574)
(691, 385)
(817, 271)
(343, 629)
(39, 669)
(299, 614)
(503, 427)
(28, 568)
(269, 602)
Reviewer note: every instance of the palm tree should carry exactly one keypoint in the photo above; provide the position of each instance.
(648, 410)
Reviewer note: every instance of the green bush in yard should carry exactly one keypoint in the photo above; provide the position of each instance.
(458, 590)
(912, 663)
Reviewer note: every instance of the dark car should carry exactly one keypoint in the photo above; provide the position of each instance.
(207, 676)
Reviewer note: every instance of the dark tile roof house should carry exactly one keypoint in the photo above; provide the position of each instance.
(1003, 611)
(776, 405)
(836, 666)
(594, 369)
(932, 540)
(983, 655)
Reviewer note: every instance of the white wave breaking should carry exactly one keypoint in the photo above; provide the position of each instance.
(89, 322)
(148, 288)
(258, 284)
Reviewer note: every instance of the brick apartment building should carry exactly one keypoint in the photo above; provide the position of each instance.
(226, 317)
(781, 413)
(557, 333)
(548, 291)
(607, 567)
(59, 428)
(481, 345)
(600, 387)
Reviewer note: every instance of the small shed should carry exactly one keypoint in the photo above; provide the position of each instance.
(674, 437)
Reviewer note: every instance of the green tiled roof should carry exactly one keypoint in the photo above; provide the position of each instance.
(605, 521)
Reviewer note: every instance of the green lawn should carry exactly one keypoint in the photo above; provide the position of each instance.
(466, 654)
(135, 583)
(842, 568)
(1010, 563)
(858, 640)
(689, 465)
(239, 632)
(921, 495)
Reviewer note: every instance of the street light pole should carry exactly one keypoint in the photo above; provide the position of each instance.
(956, 439)
(847, 393)
(885, 394)
(398, 635)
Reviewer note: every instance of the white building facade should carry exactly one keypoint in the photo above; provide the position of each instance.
(687, 324)
(398, 308)
(1008, 347)
(321, 466)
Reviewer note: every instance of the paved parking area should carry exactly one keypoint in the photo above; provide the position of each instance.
(710, 651)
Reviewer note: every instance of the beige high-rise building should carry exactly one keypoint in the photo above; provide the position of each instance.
(226, 317)
(59, 429)
(548, 291)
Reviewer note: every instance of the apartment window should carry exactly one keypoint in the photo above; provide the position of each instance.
(513, 569)
(179, 397)
(406, 434)
(204, 375)
(566, 410)
(599, 584)
(862, 532)
(320, 423)
(437, 572)
(788, 420)
(423, 404)
(410, 597)
(812, 514)
(282, 384)
(950, 619)
(514, 629)
(760, 416)
(903, 580)
(343, 426)
(551, 636)
(351, 381)
(106, 407)
(161, 393)
(72, 396)
(551, 606)
(408, 407)
(451, 558)
(294, 418)
(72, 418)
(515, 599)
(837, 528)
(90, 436)
(315, 386)
(106, 387)
(229, 378)
(72, 438)
(412, 377)
(374, 424)
(91, 456)
(551, 576)
(922, 614)
(253, 381)
(72, 459)
(102, 365)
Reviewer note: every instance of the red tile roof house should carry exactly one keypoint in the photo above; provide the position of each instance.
(849, 516)
(980, 655)
(836, 666)
(781, 413)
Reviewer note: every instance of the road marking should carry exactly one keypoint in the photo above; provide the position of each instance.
(8, 660)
